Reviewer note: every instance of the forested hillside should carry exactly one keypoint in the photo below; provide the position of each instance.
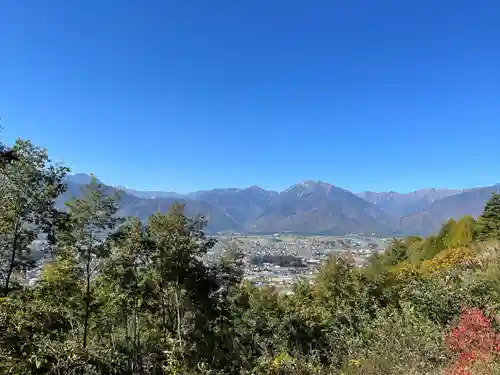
(119, 296)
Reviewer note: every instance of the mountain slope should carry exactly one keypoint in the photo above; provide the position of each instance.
(399, 204)
(218, 220)
(312, 207)
(318, 207)
(152, 194)
(470, 202)
(131, 205)
(79, 179)
(243, 205)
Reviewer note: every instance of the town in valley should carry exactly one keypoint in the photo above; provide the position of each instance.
(282, 259)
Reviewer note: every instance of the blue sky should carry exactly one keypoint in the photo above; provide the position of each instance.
(196, 94)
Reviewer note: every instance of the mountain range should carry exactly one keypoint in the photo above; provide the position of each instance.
(310, 207)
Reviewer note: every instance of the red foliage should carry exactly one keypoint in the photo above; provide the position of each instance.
(472, 339)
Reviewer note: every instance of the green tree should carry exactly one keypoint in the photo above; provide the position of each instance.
(446, 231)
(462, 233)
(7, 155)
(226, 332)
(121, 288)
(396, 252)
(92, 218)
(28, 189)
(188, 292)
(488, 224)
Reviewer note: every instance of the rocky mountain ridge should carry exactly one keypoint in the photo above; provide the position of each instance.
(310, 207)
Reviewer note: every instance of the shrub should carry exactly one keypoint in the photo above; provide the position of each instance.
(398, 342)
(473, 340)
(450, 258)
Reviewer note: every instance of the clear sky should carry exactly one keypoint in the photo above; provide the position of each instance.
(196, 94)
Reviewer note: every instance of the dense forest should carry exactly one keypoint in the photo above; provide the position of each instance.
(119, 296)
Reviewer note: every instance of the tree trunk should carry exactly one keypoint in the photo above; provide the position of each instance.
(178, 307)
(87, 301)
(162, 298)
(136, 340)
(11, 263)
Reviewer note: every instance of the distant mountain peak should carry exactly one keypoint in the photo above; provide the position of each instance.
(256, 188)
(309, 183)
(308, 187)
(80, 178)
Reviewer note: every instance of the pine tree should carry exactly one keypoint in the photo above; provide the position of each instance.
(488, 224)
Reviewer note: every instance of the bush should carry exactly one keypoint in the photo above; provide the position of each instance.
(398, 342)
(472, 340)
(450, 258)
